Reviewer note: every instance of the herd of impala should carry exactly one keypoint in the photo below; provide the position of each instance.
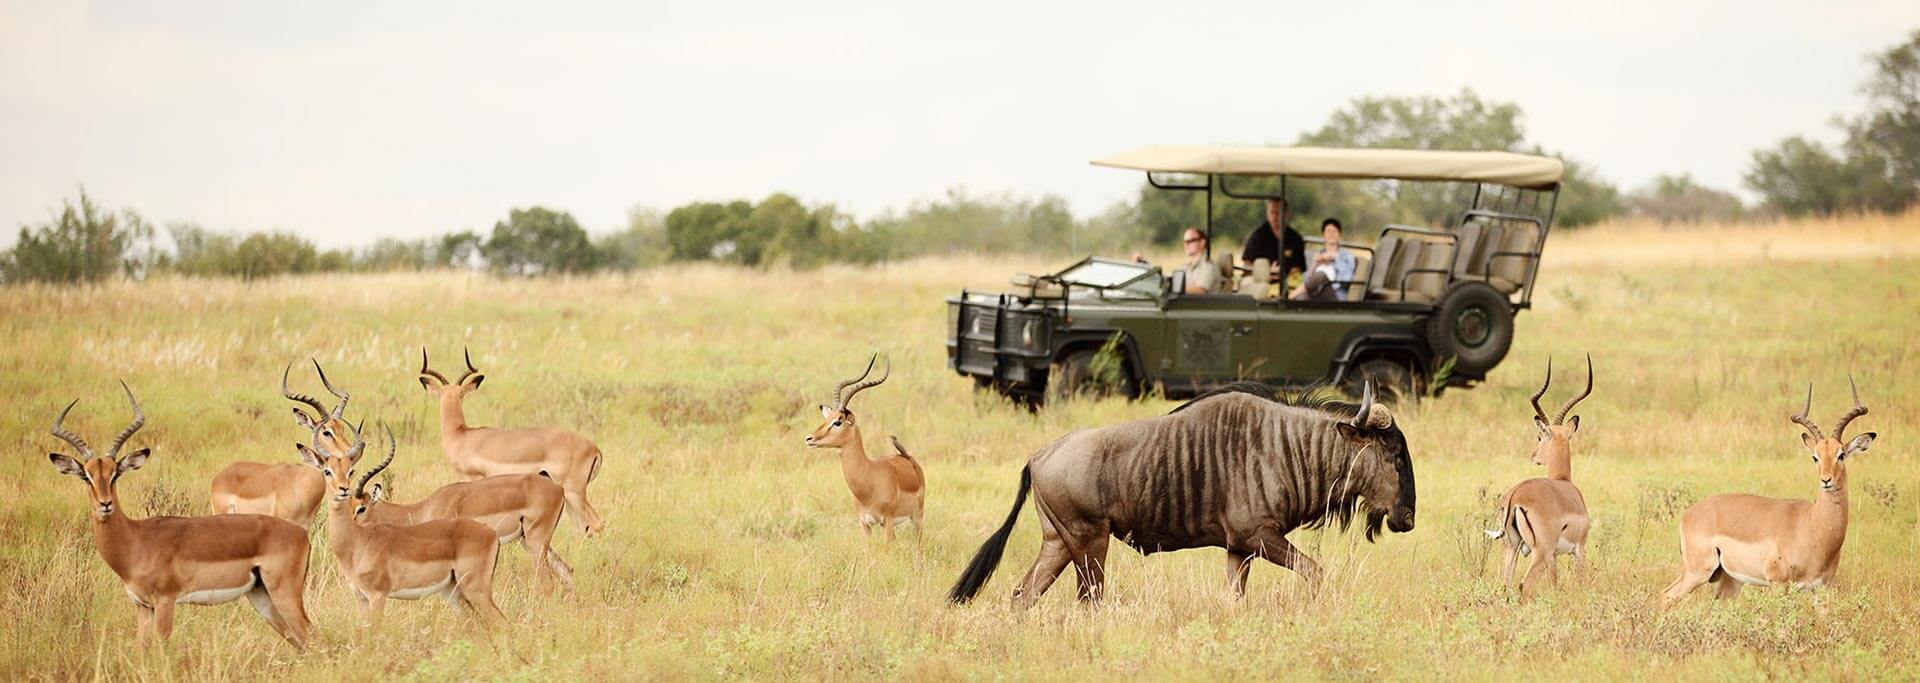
(517, 483)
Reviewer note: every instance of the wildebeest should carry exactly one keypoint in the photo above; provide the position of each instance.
(1231, 469)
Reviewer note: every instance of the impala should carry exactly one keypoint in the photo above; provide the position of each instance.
(525, 507)
(168, 561)
(1736, 538)
(885, 491)
(1547, 517)
(452, 558)
(290, 491)
(569, 459)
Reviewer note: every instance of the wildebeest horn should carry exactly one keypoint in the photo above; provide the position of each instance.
(1363, 417)
(842, 386)
(70, 437)
(1812, 429)
(1568, 408)
(1857, 410)
(429, 372)
(886, 372)
(359, 443)
(139, 420)
(340, 409)
(319, 411)
(1537, 410)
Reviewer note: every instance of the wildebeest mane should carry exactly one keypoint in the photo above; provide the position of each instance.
(1317, 396)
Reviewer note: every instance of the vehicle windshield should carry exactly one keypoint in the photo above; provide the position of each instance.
(1096, 277)
(1103, 273)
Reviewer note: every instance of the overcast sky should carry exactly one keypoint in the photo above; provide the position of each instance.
(344, 121)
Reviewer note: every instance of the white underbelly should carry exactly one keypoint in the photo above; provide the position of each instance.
(1745, 562)
(423, 591)
(215, 596)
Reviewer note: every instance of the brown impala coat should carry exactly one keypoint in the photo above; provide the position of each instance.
(452, 558)
(569, 459)
(1230, 470)
(168, 561)
(1547, 516)
(886, 491)
(1736, 538)
(515, 506)
(289, 491)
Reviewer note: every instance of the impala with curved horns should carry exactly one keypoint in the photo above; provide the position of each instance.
(523, 507)
(290, 491)
(1546, 516)
(567, 458)
(168, 561)
(452, 558)
(1736, 538)
(886, 491)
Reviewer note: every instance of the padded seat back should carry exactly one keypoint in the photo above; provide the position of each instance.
(1427, 286)
(1508, 273)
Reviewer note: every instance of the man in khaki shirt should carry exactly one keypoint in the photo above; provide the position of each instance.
(1202, 276)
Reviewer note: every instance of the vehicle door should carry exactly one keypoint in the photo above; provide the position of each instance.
(1213, 337)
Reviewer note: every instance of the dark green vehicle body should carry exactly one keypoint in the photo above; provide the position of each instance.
(1427, 308)
(1184, 343)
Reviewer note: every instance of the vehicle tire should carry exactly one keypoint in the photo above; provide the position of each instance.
(1473, 325)
(1393, 381)
(1069, 376)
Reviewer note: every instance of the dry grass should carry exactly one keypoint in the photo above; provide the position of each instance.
(732, 550)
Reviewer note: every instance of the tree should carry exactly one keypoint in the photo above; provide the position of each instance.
(641, 245)
(539, 241)
(1584, 197)
(705, 230)
(1876, 168)
(83, 244)
(1678, 199)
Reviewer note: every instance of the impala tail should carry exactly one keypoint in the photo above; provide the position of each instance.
(988, 557)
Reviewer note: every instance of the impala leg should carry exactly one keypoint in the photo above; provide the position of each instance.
(143, 623)
(537, 538)
(886, 529)
(475, 585)
(1238, 564)
(1726, 587)
(1510, 556)
(163, 616)
(1091, 566)
(1696, 567)
(590, 521)
(376, 607)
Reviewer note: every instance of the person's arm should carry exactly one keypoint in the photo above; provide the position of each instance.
(1203, 279)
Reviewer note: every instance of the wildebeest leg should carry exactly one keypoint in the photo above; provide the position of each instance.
(1091, 565)
(1053, 558)
(1238, 564)
(1275, 547)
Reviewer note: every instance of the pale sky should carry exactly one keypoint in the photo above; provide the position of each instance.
(343, 121)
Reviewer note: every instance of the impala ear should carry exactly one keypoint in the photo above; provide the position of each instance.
(426, 383)
(131, 462)
(309, 457)
(1574, 423)
(1540, 423)
(474, 382)
(300, 418)
(377, 493)
(1808, 440)
(67, 465)
(1860, 443)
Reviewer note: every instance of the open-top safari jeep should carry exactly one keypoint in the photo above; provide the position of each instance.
(1426, 304)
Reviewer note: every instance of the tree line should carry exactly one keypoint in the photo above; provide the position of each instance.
(1875, 168)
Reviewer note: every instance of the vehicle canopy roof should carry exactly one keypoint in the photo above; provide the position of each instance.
(1526, 171)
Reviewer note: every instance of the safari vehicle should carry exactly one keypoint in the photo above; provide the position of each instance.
(1426, 304)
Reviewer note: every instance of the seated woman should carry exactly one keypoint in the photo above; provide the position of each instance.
(1331, 269)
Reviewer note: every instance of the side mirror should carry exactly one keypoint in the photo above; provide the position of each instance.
(1179, 283)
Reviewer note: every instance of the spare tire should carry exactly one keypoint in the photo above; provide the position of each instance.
(1473, 325)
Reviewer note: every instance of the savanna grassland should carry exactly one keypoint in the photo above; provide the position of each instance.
(732, 550)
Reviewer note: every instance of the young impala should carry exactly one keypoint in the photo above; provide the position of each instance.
(290, 491)
(885, 491)
(453, 558)
(1547, 517)
(168, 561)
(569, 459)
(1736, 538)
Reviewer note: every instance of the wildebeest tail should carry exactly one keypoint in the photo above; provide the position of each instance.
(988, 557)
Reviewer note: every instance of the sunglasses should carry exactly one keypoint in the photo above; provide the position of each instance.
(1193, 240)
